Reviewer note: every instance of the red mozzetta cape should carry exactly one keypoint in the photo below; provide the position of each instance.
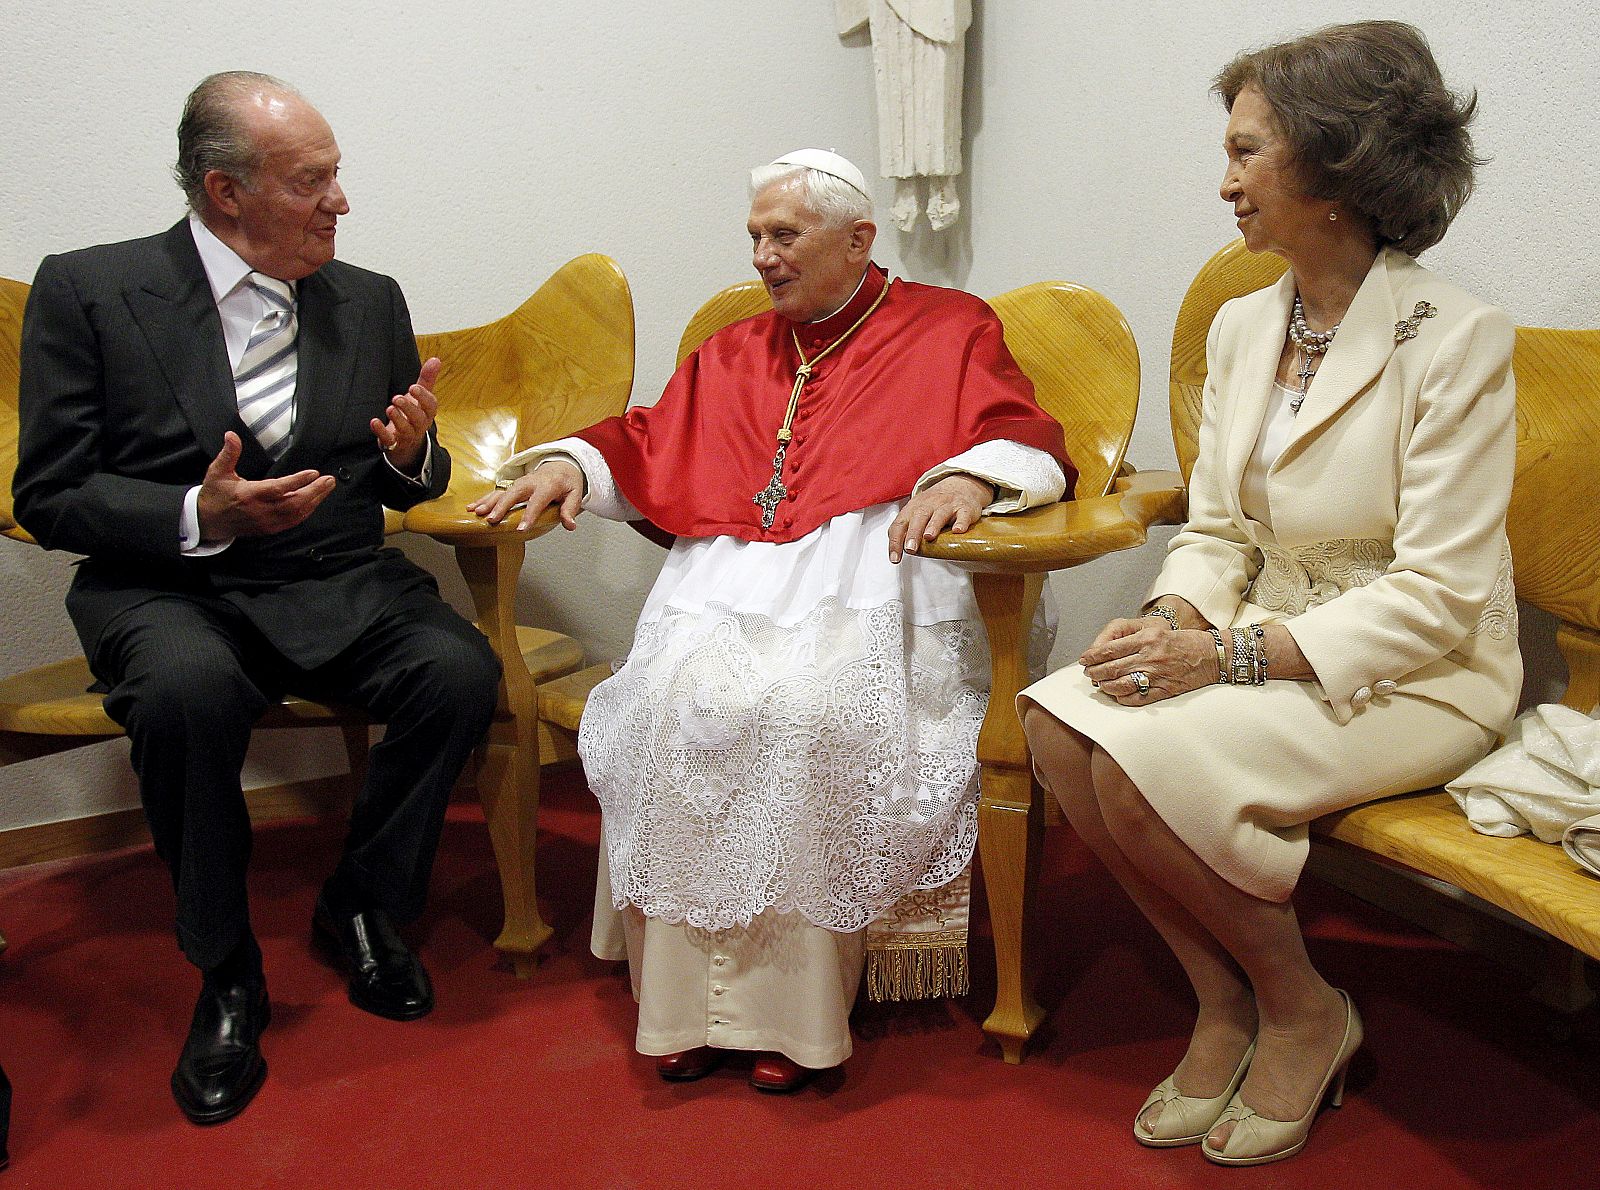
(925, 378)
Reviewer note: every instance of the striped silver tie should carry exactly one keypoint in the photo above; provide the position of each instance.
(265, 377)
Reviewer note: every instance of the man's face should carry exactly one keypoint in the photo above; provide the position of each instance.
(284, 220)
(809, 268)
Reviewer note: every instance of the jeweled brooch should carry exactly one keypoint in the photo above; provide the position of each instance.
(1406, 328)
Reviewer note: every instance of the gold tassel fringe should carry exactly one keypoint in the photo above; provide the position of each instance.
(913, 972)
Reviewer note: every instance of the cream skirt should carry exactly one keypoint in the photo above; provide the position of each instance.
(1238, 772)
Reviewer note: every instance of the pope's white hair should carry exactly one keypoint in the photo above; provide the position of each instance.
(838, 202)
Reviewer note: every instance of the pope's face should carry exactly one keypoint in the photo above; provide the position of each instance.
(1262, 183)
(284, 220)
(810, 269)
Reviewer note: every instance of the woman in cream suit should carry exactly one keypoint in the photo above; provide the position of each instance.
(1336, 622)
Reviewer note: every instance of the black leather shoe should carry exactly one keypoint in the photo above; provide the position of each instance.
(386, 979)
(221, 1066)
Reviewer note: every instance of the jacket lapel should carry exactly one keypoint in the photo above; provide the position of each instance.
(1257, 366)
(330, 327)
(1360, 350)
(177, 315)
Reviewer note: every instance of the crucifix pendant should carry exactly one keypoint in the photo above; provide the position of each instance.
(774, 493)
(1305, 372)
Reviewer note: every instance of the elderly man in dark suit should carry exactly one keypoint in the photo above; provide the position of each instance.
(216, 417)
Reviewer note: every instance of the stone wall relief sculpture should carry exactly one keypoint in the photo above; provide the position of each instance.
(918, 53)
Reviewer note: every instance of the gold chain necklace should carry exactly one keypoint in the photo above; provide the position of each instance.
(769, 497)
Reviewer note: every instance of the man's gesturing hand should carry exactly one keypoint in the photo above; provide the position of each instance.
(955, 502)
(233, 507)
(554, 481)
(410, 414)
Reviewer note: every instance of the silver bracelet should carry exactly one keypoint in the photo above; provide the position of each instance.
(1240, 671)
(1222, 654)
(1166, 613)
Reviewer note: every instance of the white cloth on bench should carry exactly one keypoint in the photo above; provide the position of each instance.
(1581, 842)
(1542, 781)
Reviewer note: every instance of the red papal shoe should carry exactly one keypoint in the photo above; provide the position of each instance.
(1256, 1140)
(687, 1065)
(779, 1075)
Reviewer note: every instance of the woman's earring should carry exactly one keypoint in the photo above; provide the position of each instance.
(1333, 216)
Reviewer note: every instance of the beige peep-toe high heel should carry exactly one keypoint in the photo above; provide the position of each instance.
(1185, 1119)
(1256, 1140)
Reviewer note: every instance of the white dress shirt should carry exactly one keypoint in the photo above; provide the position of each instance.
(240, 307)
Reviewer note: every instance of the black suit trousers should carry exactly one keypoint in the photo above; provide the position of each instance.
(189, 676)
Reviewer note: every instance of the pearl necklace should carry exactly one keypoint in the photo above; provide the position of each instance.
(1308, 345)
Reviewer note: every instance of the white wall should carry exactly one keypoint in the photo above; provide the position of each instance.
(485, 144)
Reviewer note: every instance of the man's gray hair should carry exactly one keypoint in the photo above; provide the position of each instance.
(212, 134)
(838, 202)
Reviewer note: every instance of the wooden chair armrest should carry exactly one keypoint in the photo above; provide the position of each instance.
(1063, 535)
(448, 519)
(1129, 480)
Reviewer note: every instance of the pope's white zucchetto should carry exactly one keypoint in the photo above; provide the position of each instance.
(824, 161)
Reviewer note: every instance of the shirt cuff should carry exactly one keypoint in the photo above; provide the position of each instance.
(423, 478)
(601, 495)
(1023, 476)
(189, 543)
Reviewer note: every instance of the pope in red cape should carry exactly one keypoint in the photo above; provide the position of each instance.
(786, 761)
(926, 377)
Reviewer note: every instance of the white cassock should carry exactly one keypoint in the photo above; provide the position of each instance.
(788, 750)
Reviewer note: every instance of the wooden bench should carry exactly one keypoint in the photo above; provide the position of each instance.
(560, 361)
(1554, 526)
(1402, 851)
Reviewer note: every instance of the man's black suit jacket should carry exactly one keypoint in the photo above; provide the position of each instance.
(125, 396)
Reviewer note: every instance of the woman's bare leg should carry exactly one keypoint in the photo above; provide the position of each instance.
(1226, 1021)
(1301, 1017)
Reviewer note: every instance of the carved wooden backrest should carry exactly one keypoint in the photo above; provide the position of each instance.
(560, 361)
(1072, 342)
(1076, 347)
(1553, 523)
(1230, 273)
(731, 305)
(13, 297)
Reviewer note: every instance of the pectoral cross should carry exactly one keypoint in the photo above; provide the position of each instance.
(774, 493)
(769, 497)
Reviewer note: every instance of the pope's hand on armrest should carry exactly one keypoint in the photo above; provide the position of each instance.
(1063, 535)
(450, 519)
(555, 482)
(955, 502)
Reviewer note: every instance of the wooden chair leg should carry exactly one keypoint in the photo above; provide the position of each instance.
(1010, 817)
(508, 781)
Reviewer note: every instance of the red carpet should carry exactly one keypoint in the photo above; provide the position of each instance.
(536, 1084)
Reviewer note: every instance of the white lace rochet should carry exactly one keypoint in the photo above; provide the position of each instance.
(823, 768)
(795, 727)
